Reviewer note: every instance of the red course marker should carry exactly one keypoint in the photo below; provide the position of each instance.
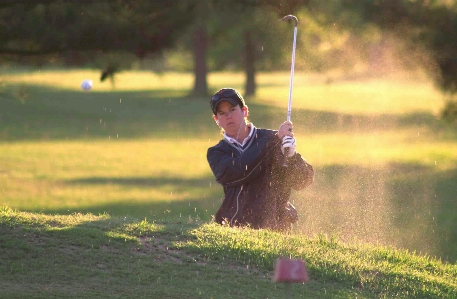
(289, 270)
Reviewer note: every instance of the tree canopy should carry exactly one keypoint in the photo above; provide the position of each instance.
(52, 27)
(232, 34)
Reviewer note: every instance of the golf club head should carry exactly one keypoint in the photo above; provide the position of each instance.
(290, 17)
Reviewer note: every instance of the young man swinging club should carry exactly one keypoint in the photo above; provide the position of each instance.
(248, 163)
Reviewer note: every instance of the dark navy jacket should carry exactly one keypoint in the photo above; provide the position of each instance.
(256, 185)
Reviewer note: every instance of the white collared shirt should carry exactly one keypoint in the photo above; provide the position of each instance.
(245, 141)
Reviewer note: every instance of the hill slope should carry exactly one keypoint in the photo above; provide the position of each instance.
(45, 256)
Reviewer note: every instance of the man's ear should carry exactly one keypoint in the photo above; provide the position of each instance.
(245, 111)
(215, 119)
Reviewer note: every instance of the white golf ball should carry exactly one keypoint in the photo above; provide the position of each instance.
(86, 85)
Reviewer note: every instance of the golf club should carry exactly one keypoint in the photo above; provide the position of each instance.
(289, 107)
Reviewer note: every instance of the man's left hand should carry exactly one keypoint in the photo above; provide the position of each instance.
(288, 142)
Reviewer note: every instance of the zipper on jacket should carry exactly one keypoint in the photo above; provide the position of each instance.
(237, 205)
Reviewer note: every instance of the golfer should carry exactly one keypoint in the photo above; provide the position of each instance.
(248, 163)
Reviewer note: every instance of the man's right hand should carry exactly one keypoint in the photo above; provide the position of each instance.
(286, 129)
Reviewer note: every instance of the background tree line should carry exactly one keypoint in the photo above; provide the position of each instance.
(368, 37)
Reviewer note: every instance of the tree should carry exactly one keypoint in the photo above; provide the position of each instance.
(200, 48)
(250, 57)
(258, 15)
(237, 39)
(65, 28)
(43, 28)
(228, 34)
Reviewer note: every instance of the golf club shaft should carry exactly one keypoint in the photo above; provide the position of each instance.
(289, 106)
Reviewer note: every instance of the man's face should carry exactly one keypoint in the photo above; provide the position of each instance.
(230, 118)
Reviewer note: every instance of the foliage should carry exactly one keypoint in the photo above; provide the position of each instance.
(337, 35)
(449, 111)
(58, 27)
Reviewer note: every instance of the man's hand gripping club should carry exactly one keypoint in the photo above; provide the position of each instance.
(286, 134)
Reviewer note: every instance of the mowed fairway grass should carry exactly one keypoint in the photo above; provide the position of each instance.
(386, 167)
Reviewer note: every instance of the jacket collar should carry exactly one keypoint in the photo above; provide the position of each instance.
(245, 141)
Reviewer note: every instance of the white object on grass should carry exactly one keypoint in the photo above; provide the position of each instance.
(86, 85)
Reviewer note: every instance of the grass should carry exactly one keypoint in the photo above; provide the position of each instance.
(92, 256)
(386, 167)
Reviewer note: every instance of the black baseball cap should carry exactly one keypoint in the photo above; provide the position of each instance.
(226, 94)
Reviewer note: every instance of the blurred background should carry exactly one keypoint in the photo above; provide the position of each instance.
(374, 109)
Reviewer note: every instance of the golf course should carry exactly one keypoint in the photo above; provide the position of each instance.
(107, 193)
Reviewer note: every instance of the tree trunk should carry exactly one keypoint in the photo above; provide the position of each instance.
(200, 69)
(249, 63)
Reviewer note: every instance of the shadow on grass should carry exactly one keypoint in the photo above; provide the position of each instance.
(92, 257)
(60, 114)
(191, 198)
(47, 114)
(102, 257)
(189, 209)
(143, 181)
